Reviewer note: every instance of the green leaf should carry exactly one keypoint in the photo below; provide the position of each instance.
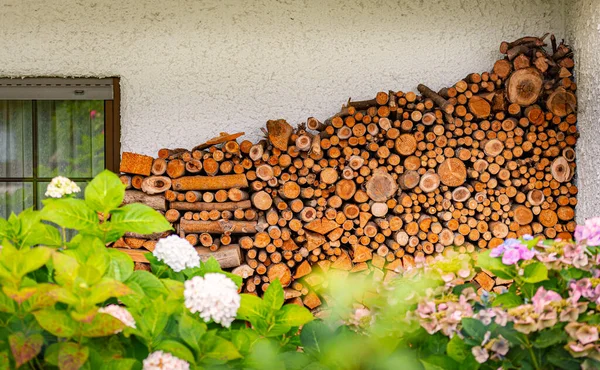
(66, 268)
(105, 192)
(314, 336)
(191, 331)
(495, 265)
(70, 213)
(154, 319)
(474, 328)
(72, 356)
(43, 234)
(562, 359)
(32, 259)
(24, 348)
(274, 296)
(507, 300)
(4, 361)
(176, 349)
(106, 289)
(439, 363)
(251, 308)
(90, 251)
(436, 344)
(535, 272)
(6, 304)
(121, 265)
(547, 338)
(222, 349)
(293, 315)
(457, 349)
(151, 285)
(102, 325)
(139, 218)
(58, 323)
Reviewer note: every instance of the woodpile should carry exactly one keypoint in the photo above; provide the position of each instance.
(381, 182)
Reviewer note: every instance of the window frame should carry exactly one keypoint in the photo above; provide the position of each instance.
(112, 141)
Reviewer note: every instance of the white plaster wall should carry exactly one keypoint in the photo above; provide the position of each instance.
(193, 68)
(583, 30)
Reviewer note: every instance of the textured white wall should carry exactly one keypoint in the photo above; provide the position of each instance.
(583, 30)
(193, 68)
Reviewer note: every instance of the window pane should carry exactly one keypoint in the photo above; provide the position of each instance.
(16, 158)
(70, 138)
(15, 197)
(41, 191)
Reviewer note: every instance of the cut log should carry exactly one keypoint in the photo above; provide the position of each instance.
(157, 202)
(279, 133)
(262, 200)
(281, 272)
(430, 181)
(452, 172)
(561, 102)
(136, 164)
(228, 256)
(202, 206)
(381, 186)
(222, 138)
(406, 144)
(524, 86)
(218, 227)
(175, 168)
(210, 182)
(560, 170)
(441, 102)
(479, 107)
(156, 184)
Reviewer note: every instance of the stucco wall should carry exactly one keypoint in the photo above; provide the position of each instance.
(583, 30)
(191, 69)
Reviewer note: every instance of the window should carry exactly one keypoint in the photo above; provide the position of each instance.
(51, 127)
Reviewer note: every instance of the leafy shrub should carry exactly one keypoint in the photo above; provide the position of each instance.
(72, 304)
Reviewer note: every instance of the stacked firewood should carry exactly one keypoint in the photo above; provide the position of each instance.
(381, 182)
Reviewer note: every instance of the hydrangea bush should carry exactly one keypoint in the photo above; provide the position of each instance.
(72, 303)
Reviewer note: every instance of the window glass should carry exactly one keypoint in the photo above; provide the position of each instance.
(16, 147)
(15, 197)
(70, 138)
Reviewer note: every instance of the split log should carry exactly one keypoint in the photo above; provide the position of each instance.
(210, 182)
(157, 202)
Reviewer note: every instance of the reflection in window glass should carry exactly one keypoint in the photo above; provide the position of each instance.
(15, 197)
(16, 139)
(70, 138)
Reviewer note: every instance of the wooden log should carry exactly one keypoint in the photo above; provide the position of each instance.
(381, 186)
(222, 138)
(210, 182)
(157, 202)
(136, 164)
(524, 86)
(279, 132)
(437, 99)
(228, 256)
(218, 227)
(561, 102)
(452, 172)
(202, 206)
(156, 184)
(175, 168)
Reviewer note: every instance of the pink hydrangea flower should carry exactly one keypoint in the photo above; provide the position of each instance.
(512, 251)
(589, 232)
(543, 297)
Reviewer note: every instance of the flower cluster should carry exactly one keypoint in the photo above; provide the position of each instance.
(361, 318)
(119, 313)
(177, 253)
(497, 346)
(589, 232)
(588, 288)
(512, 251)
(559, 254)
(585, 341)
(61, 186)
(214, 296)
(160, 360)
(547, 308)
(446, 315)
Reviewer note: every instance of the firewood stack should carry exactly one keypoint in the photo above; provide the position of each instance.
(382, 181)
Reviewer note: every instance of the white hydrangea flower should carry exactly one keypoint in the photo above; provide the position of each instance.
(177, 253)
(159, 360)
(214, 296)
(119, 313)
(61, 186)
